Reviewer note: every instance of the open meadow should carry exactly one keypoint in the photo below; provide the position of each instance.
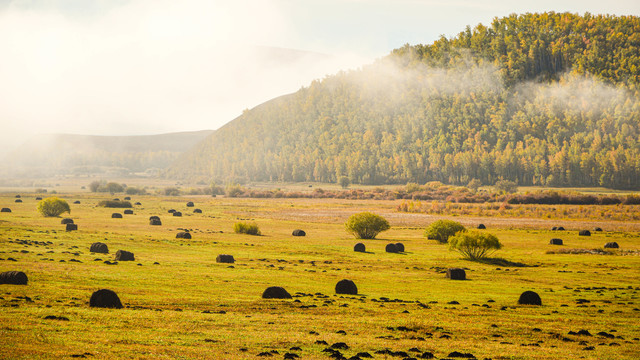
(180, 304)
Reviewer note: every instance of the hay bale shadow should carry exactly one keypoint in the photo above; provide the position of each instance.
(501, 262)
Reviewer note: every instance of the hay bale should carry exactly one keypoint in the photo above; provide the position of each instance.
(72, 227)
(128, 212)
(359, 247)
(13, 278)
(197, 211)
(227, 259)
(554, 228)
(116, 216)
(555, 241)
(105, 298)
(122, 255)
(456, 274)
(584, 233)
(155, 221)
(18, 200)
(18, 196)
(391, 248)
(137, 203)
(77, 202)
(400, 247)
(177, 213)
(481, 226)
(154, 217)
(529, 298)
(183, 235)
(560, 228)
(7, 210)
(116, 199)
(346, 287)
(298, 232)
(171, 211)
(99, 247)
(611, 245)
(190, 204)
(38, 198)
(127, 197)
(66, 221)
(276, 292)
(597, 229)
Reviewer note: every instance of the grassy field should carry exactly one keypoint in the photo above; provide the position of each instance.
(190, 307)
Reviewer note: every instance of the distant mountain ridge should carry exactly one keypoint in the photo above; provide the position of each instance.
(540, 99)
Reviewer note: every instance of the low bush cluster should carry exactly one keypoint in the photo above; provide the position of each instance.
(246, 228)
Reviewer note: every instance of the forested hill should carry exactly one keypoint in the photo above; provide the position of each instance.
(540, 99)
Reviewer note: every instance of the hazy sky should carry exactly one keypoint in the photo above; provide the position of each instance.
(125, 67)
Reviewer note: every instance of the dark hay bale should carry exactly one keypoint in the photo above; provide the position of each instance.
(18, 200)
(400, 247)
(346, 287)
(555, 242)
(560, 228)
(116, 216)
(584, 233)
(481, 226)
(99, 247)
(13, 278)
(154, 217)
(359, 247)
(7, 210)
(171, 211)
(116, 199)
(18, 196)
(456, 274)
(197, 211)
(611, 245)
(77, 202)
(228, 259)
(529, 298)
(138, 203)
(177, 213)
(276, 292)
(298, 232)
(597, 229)
(190, 204)
(554, 228)
(127, 197)
(38, 198)
(72, 227)
(183, 235)
(122, 255)
(391, 248)
(155, 222)
(128, 212)
(66, 221)
(105, 298)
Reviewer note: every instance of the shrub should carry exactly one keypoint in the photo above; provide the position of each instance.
(135, 191)
(234, 190)
(506, 186)
(344, 182)
(53, 207)
(246, 228)
(115, 204)
(474, 245)
(171, 191)
(441, 230)
(366, 225)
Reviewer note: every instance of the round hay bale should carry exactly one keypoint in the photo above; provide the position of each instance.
(171, 211)
(38, 198)
(105, 298)
(190, 204)
(481, 226)
(456, 274)
(197, 211)
(359, 247)
(155, 221)
(7, 210)
(137, 203)
(276, 292)
(99, 247)
(116, 216)
(66, 221)
(554, 228)
(18, 200)
(555, 241)
(127, 198)
(77, 202)
(154, 217)
(18, 196)
(72, 227)
(611, 245)
(597, 229)
(122, 255)
(128, 212)
(529, 298)
(584, 233)
(13, 278)
(183, 235)
(400, 247)
(177, 213)
(116, 199)
(227, 259)
(391, 248)
(298, 232)
(560, 228)
(346, 287)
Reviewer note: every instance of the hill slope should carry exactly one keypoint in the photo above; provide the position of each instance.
(548, 99)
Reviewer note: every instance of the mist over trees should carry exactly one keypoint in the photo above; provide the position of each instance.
(535, 99)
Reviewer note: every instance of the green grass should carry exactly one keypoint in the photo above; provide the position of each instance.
(165, 304)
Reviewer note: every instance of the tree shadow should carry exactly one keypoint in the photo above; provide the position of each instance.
(500, 262)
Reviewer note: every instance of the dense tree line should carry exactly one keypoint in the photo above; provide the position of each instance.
(538, 99)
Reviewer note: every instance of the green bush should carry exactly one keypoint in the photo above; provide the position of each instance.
(53, 206)
(474, 245)
(234, 190)
(115, 204)
(441, 230)
(135, 191)
(344, 182)
(366, 225)
(246, 228)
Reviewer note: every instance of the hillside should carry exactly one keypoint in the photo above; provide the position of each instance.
(541, 99)
(66, 154)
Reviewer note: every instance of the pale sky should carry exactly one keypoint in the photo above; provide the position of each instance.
(131, 67)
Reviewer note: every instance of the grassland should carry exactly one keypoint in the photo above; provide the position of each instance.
(190, 307)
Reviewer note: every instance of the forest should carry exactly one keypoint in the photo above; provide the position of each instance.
(547, 99)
